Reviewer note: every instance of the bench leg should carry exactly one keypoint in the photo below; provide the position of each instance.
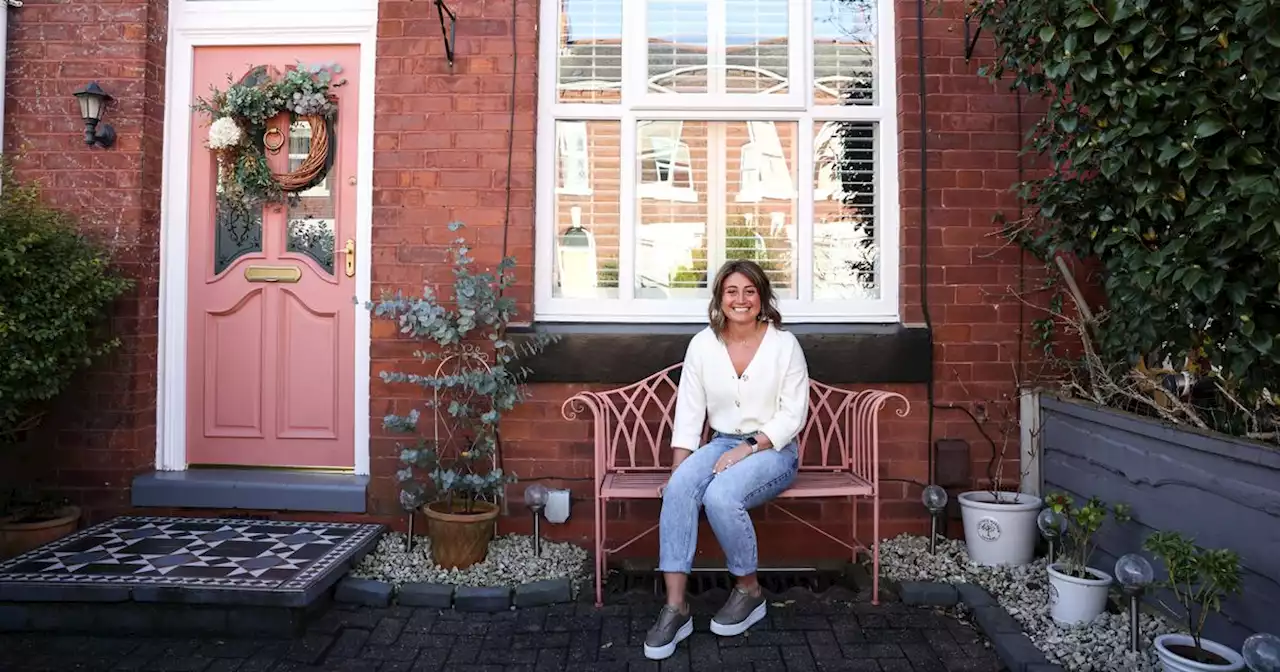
(600, 542)
(853, 538)
(875, 551)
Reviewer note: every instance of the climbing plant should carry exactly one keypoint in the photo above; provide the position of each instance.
(1162, 136)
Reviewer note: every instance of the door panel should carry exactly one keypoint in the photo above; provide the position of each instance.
(271, 363)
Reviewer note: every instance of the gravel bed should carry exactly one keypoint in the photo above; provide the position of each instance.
(1099, 646)
(510, 562)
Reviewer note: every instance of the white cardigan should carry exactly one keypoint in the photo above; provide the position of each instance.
(771, 397)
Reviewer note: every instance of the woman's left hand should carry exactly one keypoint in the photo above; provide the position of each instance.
(732, 457)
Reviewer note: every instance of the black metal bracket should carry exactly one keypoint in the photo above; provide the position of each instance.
(450, 32)
(970, 36)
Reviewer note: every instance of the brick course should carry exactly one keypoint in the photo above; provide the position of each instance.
(440, 155)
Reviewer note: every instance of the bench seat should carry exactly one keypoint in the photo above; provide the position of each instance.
(644, 485)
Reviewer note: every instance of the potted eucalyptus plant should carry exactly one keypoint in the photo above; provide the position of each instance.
(471, 377)
(1199, 578)
(1078, 592)
(56, 287)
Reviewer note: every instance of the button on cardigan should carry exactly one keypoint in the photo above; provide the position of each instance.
(771, 397)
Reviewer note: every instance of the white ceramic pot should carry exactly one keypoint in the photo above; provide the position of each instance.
(1074, 600)
(1172, 662)
(1000, 532)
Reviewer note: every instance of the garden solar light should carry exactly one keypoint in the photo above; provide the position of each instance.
(1052, 524)
(935, 500)
(1134, 574)
(535, 497)
(1262, 652)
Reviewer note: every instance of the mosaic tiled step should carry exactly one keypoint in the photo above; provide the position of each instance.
(223, 561)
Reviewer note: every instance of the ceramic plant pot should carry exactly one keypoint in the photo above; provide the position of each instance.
(999, 530)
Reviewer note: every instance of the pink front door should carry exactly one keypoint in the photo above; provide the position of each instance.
(270, 321)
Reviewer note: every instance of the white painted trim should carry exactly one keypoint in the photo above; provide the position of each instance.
(638, 104)
(268, 22)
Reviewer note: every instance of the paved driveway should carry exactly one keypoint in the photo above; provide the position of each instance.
(802, 632)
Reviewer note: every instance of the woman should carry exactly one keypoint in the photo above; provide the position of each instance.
(747, 378)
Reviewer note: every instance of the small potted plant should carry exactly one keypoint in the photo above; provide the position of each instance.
(471, 377)
(56, 289)
(1199, 579)
(1078, 592)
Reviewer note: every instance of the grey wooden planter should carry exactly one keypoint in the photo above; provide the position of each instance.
(1221, 492)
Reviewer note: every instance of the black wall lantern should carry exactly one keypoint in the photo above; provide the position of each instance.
(92, 101)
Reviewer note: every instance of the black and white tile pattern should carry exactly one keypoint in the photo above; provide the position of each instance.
(205, 553)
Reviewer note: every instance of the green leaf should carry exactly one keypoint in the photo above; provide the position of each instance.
(1047, 32)
(1125, 50)
(1209, 127)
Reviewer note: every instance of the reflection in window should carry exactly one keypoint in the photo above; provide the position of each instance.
(764, 169)
(575, 175)
(666, 165)
(846, 254)
(238, 231)
(311, 215)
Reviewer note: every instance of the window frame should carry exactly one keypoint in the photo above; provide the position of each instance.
(796, 107)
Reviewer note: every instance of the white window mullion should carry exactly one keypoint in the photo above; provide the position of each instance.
(717, 189)
(635, 51)
(627, 214)
(717, 42)
(803, 225)
(799, 50)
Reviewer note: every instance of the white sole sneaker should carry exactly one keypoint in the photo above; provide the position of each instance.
(664, 652)
(739, 628)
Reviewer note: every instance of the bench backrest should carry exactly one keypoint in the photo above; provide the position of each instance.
(632, 426)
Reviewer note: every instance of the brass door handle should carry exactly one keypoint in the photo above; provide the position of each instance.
(349, 252)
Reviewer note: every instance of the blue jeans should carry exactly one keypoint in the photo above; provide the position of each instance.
(726, 497)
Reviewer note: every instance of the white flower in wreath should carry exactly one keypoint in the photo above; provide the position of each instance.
(224, 132)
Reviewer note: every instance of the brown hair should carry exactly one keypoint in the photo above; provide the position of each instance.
(757, 277)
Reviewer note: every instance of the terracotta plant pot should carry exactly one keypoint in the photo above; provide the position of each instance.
(17, 537)
(459, 540)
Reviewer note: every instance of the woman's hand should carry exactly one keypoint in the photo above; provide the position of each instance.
(739, 453)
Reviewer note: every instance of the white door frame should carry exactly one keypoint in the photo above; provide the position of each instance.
(196, 23)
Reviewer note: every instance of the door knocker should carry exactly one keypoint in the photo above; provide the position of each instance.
(273, 140)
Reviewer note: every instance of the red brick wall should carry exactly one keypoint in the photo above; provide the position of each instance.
(440, 155)
(104, 430)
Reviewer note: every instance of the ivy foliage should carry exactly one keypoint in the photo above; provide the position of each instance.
(56, 288)
(1163, 133)
(471, 376)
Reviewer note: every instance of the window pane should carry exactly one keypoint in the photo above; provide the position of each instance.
(590, 50)
(711, 191)
(311, 217)
(756, 46)
(679, 45)
(844, 38)
(845, 249)
(586, 211)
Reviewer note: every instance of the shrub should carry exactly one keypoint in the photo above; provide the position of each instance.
(1163, 137)
(55, 290)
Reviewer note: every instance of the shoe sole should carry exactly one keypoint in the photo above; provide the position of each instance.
(740, 627)
(663, 652)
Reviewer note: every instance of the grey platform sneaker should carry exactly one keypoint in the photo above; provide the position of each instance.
(740, 612)
(672, 628)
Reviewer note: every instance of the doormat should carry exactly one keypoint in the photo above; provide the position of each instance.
(190, 560)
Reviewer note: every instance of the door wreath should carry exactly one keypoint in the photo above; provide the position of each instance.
(239, 130)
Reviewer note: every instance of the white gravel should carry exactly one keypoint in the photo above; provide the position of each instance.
(1099, 646)
(510, 562)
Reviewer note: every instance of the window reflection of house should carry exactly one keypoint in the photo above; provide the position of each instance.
(666, 166)
(763, 170)
(575, 170)
(299, 148)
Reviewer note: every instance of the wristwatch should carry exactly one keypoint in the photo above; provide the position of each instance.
(753, 442)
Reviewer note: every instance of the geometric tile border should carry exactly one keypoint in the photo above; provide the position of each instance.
(1013, 645)
(230, 561)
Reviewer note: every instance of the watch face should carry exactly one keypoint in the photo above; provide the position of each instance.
(751, 440)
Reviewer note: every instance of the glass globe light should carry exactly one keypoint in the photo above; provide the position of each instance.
(1262, 652)
(535, 496)
(1051, 523)
(1133, 570)
(934, 498)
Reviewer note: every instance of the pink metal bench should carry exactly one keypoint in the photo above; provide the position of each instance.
(840, 451)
